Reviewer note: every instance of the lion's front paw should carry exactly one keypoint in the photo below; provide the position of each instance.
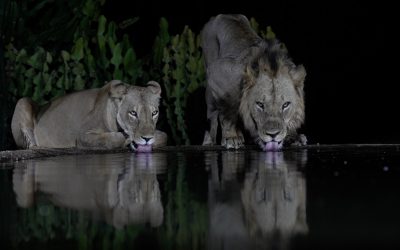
(207, 141)
(301, 140)
(233, 142)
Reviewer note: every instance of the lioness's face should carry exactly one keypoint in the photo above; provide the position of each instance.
(138, 114)
(274, 108)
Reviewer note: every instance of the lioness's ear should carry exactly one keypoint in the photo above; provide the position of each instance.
(154, 87)
(117, 89)
(298, 75)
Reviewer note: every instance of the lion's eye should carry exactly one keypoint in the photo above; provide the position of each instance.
(132, 113)
(285, 105)
(155, 112)
(260, 105)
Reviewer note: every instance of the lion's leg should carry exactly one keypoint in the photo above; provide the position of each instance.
(210, 137)
(232, 137)
(22, 123)
(101, 139)
(24, 183)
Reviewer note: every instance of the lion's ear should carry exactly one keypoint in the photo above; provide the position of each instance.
(117, 89)
(298, 75)
(154, 87)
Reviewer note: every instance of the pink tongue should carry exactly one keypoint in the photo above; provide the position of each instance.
(143, 148)
(272, 146)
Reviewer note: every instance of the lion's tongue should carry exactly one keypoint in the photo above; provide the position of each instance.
(143, 148)
(271, 146)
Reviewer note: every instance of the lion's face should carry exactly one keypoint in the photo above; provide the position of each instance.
(138, 114)
(273, 106)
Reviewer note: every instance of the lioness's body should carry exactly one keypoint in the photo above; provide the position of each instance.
(87, 118)
(243, 69)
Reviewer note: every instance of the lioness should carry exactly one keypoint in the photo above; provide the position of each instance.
(254, 79)
(113, 116)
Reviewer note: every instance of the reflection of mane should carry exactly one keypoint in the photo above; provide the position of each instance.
(270, 202)
(273, 197)
(122, 188)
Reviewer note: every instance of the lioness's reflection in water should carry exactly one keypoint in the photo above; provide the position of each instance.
(122, 188)
(256, 200)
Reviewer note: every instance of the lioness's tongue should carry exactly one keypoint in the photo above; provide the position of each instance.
(272, 146)
(143, 148)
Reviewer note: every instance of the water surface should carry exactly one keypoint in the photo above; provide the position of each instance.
(309, 199)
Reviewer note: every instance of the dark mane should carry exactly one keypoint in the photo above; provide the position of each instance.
(273, 57)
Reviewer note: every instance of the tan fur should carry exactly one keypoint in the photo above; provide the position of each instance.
(121, 189)
(273, 90)
(250, 81)
(95, 118)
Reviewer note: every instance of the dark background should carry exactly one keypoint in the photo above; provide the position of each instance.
(346, 47)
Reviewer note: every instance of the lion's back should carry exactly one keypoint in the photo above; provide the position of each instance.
(61, 122)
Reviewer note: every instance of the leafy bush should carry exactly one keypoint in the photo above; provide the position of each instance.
(91, 61)
(182, 73)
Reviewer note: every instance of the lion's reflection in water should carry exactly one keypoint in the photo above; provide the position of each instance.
(256, 200)
(122, 188)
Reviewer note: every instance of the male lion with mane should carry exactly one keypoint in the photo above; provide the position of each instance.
(254, 79)
(114, 116)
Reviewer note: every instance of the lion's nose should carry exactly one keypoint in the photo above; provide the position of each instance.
(273, 134)
(147, 139)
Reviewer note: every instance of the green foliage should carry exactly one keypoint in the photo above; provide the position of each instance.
(182, 73)
(43, 75)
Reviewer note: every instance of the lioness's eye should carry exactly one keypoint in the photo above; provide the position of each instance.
(285, 105)
(260, 105)
(133, 113)
(155, 112)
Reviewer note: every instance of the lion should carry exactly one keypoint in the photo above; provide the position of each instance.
(251, 83)
(110, 117)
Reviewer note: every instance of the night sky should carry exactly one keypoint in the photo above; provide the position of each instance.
(347, 48)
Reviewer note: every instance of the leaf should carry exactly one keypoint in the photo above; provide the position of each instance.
(49, 58)
(270, 34)
(66, 82)
(118, 74)
(60, 81)
(111, 31)
(22, 56)
(192, 86)
(129, 61)
(79, 83)
(254, 24)
(35, 61)
(89, 8)
(65, 55)
(79, 69)
(30, 73)
(116, 59)
(37, 79)
(48, 79)
(102, 25)
(77, 50)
